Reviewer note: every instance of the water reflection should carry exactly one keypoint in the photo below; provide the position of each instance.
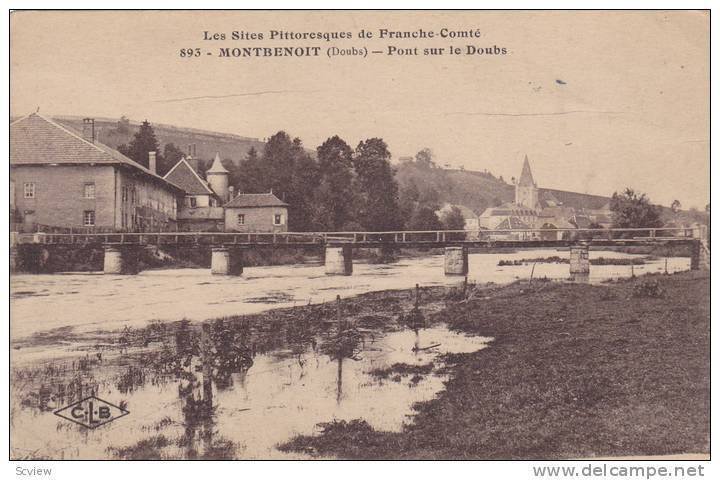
(230, 389)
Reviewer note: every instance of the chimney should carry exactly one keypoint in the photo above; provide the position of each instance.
(231, 192)
(152, 161)
(88, 130)
(193, 162)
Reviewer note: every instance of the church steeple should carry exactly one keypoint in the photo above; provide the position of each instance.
(526, 178)
(526, 191)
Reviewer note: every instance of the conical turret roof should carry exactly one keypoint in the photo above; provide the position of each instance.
(217, 166)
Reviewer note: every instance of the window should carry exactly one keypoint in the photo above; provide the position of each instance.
(193, 202)
(89, 190)
(29, 190)
(278, 219)
(241, 219)
(89, 218)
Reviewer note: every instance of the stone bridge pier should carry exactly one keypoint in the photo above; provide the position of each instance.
(121, 259)
(456, 261)
(338, 260)
(580, 262)
(226, 261)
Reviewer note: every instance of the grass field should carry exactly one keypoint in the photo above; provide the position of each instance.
(574, 371)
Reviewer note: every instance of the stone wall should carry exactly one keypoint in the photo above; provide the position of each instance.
(59, 194)
(257, 219)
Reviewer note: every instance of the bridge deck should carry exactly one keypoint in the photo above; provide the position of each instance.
(532, 238)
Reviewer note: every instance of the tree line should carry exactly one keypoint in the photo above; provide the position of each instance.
(339, 189)
(346, 189)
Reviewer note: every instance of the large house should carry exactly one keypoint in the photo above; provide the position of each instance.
(60, 177)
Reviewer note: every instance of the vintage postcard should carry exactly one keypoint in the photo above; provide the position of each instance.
(360, 235)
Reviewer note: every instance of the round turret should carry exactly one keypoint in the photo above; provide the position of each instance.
(217, 177)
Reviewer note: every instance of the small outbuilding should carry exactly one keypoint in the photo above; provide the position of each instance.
(256, 212)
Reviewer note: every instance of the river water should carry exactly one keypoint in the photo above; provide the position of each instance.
(275, 395)
(87, 302)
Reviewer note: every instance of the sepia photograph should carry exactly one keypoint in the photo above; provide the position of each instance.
(360, 235)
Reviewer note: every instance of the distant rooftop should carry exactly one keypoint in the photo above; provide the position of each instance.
(255, 200)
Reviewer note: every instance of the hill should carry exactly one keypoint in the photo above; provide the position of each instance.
(112, 133)
(478, 190)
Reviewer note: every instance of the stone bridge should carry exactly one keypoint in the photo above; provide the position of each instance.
(121, 248)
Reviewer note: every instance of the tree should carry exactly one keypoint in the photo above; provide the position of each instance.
(424, 159)
(123, 125)
(453, 219)
(424, 218)
(300, 192)
(430, 197)
(378, 206)
(287, 170)
(675, 206)
(253, 176)
(335, 194)
(631, 210)
(409, 198)
(171, 155)
(143, 142)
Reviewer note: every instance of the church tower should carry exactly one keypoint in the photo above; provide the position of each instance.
(217, 177)
(526, 191)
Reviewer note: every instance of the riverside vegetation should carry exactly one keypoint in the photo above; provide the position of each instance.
(573, 370)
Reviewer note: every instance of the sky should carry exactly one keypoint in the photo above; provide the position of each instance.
(598, 101)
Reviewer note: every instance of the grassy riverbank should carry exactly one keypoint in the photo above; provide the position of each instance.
(575, 371)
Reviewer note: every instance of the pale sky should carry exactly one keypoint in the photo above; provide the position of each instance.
(632, 108)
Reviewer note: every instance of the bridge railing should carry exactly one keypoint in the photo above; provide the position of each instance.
(445, 236)
(400, 237)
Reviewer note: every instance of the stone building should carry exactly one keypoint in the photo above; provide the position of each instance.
(507, 214)
(256, 212)
(65, 178)
(201, 208)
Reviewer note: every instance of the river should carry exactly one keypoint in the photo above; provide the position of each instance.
(301, 380)
(87, 302)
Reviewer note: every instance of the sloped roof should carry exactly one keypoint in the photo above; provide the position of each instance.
(526, 178)
(547, 199)
(217, 166)
(507, 209)
(512, 223)
(557, 212)
(36, 140)
(578, 200)
(183, 175)
(255, 200)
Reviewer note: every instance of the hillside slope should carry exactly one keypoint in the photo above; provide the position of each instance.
(233, 147)
(480, 190)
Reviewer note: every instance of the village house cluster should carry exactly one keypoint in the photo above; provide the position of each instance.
(63, 178)
(536, 209)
